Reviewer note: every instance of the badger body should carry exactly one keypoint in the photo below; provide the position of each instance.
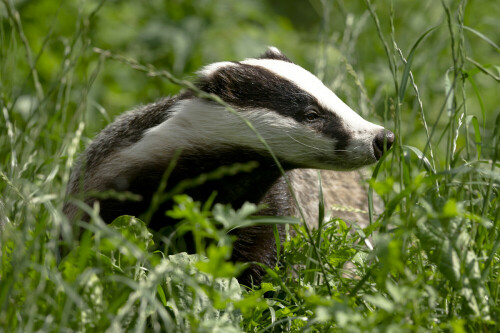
(305, 124)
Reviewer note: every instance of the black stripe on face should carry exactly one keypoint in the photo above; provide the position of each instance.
(246, 86)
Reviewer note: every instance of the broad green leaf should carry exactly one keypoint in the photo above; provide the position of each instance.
(134, 230)
(421, 157)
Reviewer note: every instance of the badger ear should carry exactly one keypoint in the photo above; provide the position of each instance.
(273, 53)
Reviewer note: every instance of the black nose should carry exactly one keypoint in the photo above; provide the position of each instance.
(382, 142)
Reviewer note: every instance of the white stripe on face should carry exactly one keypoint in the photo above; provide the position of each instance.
(361, 132)
(212, 68)
(313, 86)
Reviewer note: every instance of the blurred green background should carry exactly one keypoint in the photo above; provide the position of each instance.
(337, 40)
(438, 269)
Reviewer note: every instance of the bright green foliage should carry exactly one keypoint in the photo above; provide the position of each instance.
(428, 70)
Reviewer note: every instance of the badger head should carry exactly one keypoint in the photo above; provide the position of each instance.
(305, 123)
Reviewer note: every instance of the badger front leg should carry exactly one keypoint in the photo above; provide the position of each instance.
(256, 244)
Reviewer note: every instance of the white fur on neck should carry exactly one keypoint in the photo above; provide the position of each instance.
(197, 124)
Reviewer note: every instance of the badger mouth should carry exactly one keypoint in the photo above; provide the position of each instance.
(382, 143)
(377, 151)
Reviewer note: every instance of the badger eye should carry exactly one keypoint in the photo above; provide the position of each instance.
(312, 114)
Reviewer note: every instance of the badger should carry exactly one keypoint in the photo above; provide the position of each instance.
(303, 122)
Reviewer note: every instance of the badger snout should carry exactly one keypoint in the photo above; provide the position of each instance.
(382, 143)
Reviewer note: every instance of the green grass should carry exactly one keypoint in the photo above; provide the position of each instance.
(429, 72)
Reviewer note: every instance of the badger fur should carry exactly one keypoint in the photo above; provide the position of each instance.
(305, 124)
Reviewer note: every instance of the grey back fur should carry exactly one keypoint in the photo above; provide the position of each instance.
(344, 194)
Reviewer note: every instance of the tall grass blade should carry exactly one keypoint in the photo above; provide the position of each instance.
(483, 69)
(477, 134)
(409, 61)
(483, 37)
(479, 99)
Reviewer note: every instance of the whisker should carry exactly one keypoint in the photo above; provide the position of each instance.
(306, 145)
